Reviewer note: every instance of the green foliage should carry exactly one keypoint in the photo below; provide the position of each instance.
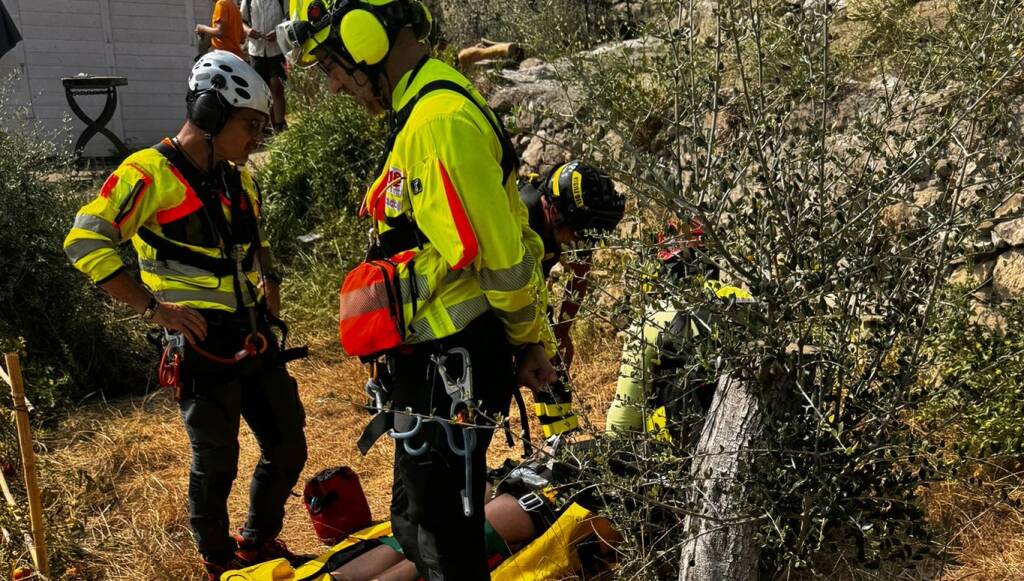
(797, 158)
(313, 185)
(318, 170)
(71, 345)
(975, 405)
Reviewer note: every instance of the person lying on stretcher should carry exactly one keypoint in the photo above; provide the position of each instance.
(508, 528)
(537, 526)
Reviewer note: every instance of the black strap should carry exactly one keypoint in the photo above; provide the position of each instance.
(509, 159)
(378, 426)
(224, 266)
(403, 235)
(167, 250)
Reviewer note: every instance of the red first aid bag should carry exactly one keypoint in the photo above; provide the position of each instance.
(336, 504)
(371, 318)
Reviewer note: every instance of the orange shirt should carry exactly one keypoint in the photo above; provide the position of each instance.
(226, 13)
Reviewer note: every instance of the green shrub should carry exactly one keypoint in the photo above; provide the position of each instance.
(313, 184)
(975, 404)
(71, 344)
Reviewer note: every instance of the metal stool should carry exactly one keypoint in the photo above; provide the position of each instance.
(89, 85)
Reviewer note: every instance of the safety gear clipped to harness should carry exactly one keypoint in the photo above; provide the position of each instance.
(336, 504)
(371, 320)
(169, 372)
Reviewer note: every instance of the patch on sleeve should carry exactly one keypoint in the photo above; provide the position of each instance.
(394, 180)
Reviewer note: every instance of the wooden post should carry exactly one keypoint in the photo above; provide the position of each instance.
(28, 463)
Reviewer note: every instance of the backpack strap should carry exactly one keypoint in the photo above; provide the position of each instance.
(509, 159)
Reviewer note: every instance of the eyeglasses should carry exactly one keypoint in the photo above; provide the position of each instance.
(328, 61)
(257, 127)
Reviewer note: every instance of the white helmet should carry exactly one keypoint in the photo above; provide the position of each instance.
(233, 78)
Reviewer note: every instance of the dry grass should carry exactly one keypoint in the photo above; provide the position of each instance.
(986, 527)
(122, 467)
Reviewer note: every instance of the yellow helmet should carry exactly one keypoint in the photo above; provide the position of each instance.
(360, 31)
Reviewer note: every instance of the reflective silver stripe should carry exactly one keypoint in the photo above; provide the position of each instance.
(463, 313)
(173, 268)
(455, 275)
(422, 292)
(362, 300)
(98, 225)
(421, 331)
(82, 248)
(207, 296)
(523, 315)
(508, 279)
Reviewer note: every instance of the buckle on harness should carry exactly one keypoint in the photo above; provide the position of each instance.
(530, 502)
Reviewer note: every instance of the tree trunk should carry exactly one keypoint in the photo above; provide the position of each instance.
(719, 543)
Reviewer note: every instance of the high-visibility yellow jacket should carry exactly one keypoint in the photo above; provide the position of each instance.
(444, 172)
(147, 191)
(632, 408)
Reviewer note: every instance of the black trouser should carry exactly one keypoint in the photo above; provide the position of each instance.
(214, 397)
(426, 506)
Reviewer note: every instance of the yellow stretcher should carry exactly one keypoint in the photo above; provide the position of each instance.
(553, 555)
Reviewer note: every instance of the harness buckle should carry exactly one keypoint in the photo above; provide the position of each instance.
(531, 502)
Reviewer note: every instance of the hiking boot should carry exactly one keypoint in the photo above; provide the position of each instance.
(215, 567)
(251, 552)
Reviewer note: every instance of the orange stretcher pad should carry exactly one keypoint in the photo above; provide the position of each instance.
(573, 542)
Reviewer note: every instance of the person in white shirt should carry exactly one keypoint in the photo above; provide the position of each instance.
(259, 17)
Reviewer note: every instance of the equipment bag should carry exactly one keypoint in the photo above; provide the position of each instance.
(336, 504)
(371, 317)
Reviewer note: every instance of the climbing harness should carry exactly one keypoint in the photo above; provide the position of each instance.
(462, 413)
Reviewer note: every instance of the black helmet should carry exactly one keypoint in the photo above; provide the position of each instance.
(585, 197)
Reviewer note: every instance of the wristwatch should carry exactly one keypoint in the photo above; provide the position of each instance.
(151, 308)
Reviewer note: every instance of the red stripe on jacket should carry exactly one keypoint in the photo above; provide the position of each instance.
(470, 247)
(190, 204)
(109, 185)
(146, 181)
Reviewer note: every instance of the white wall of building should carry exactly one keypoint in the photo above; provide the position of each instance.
(151, 42)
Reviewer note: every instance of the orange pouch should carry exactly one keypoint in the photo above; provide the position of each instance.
(371, 317)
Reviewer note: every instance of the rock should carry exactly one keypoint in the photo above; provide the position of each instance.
(933, 14)
(974, 276)
(529, 63)
(1008, 276)
(1012, 232)
(988, 319)
(1011, 206)
(927, 197)
(901, 216)
(610, 147)
(944, 168)
(997, 241)
(532, 154)
(526, 119)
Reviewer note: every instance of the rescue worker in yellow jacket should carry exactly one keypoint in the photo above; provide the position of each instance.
(192, 213)
(570, 208)
(449, 226)
(660, 389)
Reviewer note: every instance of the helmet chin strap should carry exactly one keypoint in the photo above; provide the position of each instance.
(210, 155)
